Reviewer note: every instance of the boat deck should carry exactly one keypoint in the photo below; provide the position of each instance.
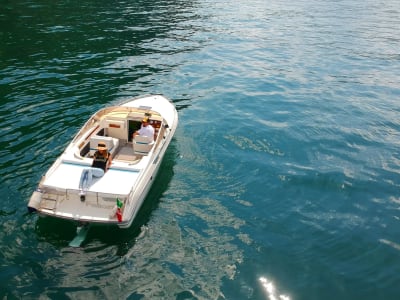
(119, 179)
(125, 154)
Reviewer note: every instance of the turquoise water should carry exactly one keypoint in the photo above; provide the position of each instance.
(282, 181)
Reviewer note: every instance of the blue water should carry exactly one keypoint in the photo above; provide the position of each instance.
(282, 181)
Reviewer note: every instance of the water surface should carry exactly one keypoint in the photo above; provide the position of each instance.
(281, 181)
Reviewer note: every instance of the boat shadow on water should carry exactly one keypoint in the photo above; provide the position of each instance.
(59, 232)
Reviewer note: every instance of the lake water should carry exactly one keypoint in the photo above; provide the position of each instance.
(282, 181)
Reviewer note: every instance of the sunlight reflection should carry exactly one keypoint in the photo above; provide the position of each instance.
(270, 289)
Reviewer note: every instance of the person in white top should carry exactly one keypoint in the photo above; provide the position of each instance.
(145, 130)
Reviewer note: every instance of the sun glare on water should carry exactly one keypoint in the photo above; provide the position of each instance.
(270, 290)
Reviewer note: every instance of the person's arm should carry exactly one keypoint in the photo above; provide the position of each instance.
(153, 132)
(109, 160)
(94, 158)
(137, 132)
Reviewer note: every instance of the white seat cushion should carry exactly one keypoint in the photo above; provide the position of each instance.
(142, 144)
(111, 143)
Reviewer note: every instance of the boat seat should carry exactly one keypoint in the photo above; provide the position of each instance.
(142, 144)
(111, 143)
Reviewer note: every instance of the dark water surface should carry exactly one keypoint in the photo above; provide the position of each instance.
(282, 181)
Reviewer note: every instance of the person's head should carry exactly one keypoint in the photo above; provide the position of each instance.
(145, 121)
(101, 147)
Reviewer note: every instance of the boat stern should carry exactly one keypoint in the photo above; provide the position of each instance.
(70, 205)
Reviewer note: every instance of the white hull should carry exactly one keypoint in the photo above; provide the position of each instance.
(128, 179)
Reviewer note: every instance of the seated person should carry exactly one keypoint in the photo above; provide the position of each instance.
(146, 129)
(102, 158)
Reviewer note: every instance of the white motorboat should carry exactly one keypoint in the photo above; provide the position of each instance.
(70, 189)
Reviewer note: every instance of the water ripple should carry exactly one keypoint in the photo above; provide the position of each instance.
(283, 176)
